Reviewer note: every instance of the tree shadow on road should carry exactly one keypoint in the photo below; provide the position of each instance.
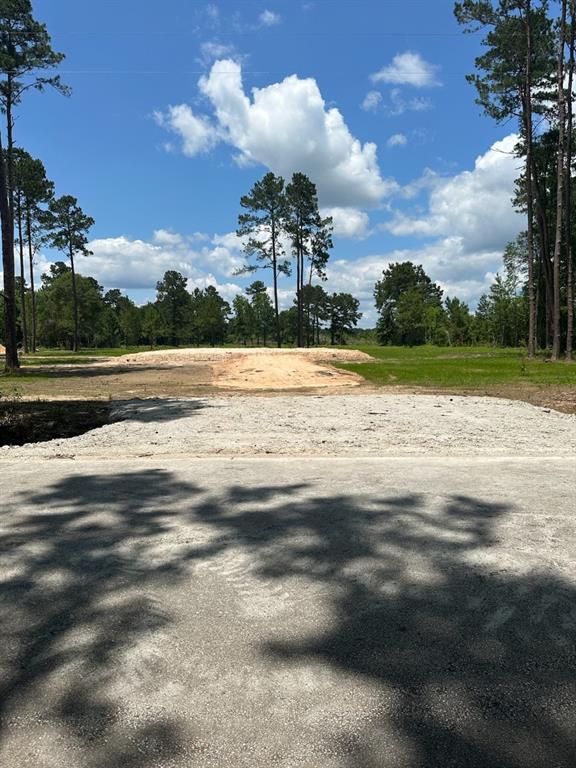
(78, 568)
(474, 664)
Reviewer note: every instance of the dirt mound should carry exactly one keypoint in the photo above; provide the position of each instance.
(254, 371)
(180, 357)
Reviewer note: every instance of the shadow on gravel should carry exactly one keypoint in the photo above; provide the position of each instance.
(155, 411)
(476, 669)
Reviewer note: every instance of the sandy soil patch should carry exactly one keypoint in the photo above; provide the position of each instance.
(180, 357)
(266, 372)
(259, 369)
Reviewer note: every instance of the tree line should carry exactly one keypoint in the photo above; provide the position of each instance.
(73, 310)
(412, 309)
(30, 214)
(526, 74)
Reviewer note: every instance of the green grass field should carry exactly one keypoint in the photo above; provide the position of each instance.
(458, 367)
(83, 356)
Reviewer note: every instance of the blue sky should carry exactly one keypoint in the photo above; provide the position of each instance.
(177, 108)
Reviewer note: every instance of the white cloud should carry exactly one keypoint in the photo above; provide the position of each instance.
(474, 205)
(269, 18)
(227, 290)
(407, 68)
(348, 222)
(167, 237)
(446, 261)
(286, 127)
(132, 264)
(397, 140)
(197, 133)
(397, 104)
(371, 101)
(212, 50)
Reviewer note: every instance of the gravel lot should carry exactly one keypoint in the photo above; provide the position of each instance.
(328, 425)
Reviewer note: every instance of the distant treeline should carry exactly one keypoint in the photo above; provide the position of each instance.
(177, 316)
(412, 311)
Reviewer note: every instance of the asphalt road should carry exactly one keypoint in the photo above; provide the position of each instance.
(334, 613)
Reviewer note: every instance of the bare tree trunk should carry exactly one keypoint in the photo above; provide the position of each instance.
(22, 277)
(569, 249)
(32, 291)
(10, 342)
(545, 260)
(74, 302)
(299, 288)
(529, 187)
(557, 338)
(275, 278)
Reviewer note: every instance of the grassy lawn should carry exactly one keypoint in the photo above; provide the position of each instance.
(459, 367)
(83, 356)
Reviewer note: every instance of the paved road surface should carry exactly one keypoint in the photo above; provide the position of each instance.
(334, 613)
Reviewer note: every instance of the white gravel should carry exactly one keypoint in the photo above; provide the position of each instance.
(329, 425)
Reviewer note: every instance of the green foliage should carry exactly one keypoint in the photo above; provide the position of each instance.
(25, 48)
(211, 316)
(500, 79)
(262, 311)
(66, 226)
(174, 305)
(343, 315)
(55, 308)
(243, 322)
(410, 305)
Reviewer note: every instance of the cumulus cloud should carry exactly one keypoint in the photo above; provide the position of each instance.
(348, 222)
(286, 127)
(474, 205)
(371, 101)
(212, 50)
(397, 140)
(446, 261)
(227, 290)
(408, 68)
(134, 264)
(197, 133)
(269, 18)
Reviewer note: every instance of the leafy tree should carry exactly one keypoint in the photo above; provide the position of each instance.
(66, 227)
(316, 305)
(174, 305)
(404, 298)
(126, 315)
(151, 323)
(25, 51)
(31, 190)
(343, 314)
(310, 235)
(262, 310)
(212, 315)
(56, 308)
(458, 322)
(263, 224)
(512, 81)
(243, 322)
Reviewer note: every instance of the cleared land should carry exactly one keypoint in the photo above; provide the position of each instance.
(356, 578)
(107, 375)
